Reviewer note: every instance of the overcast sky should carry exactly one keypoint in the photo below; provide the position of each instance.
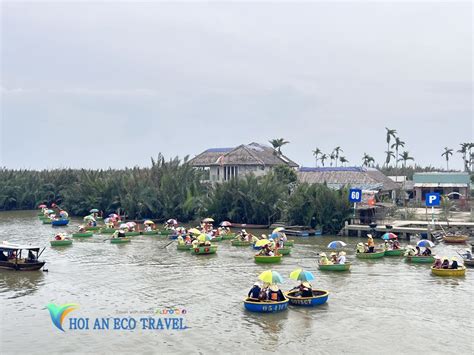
(111, 84)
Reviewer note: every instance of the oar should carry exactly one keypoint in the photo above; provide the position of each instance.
(167, 244)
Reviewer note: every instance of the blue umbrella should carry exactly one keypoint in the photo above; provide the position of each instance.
(274, 235)
(425, 243)
(301, 275)
(336, 244)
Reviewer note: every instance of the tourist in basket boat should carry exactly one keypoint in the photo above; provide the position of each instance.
(255, 291)
(395, 244)
(323, 259)
(370, 243)
(275, 294)
(304, 289)
(426, 252)
(418, 251)
(445, 264)
(454, 263)
(437, 263)
(341, 259)
(333, 258)
(360, 248)
(467, 255)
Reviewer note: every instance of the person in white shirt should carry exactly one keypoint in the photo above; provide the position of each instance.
(341, 259)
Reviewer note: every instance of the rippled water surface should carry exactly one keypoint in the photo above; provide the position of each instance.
(383, 306)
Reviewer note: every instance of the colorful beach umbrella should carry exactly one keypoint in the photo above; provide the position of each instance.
(336, 244)
(262, 242)
(42, 206)
(94, 210)
(149, 222)
(194, 231)
(114, 215)
(208, 220)
(203, 237)
(425, 243)
(301, 275)
(172, 221)
(226, 224)
(89, 218)
(388, 236)
(278, 229)
(271, 277)
(123, 226)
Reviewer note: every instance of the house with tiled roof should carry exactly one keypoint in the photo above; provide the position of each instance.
(228, 163)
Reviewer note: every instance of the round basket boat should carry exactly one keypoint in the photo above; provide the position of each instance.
(153, 232)
(120, 240)
(60, 243)
(420, 259)
(108, 230)
(284, 251)
(132, 234)
(240, 243)
(254, 305)
(82, 235)
(469, 263)
(395, 252)
(455, 239)
(264, 259)
(319, 297)
(216, 239)
(375, 255)
(60, 222)
(184, 246)
(228, 236)
(460, 271)
(289, 243)
(335, 267)
(207, 249)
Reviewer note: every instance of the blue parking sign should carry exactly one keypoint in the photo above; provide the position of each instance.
(432, 199)
(355, 195)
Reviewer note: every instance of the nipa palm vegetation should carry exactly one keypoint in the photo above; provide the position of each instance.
(173, 189)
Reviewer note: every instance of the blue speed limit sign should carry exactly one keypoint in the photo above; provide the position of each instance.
(355, 195)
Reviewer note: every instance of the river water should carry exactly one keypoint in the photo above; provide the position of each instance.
(386, 306)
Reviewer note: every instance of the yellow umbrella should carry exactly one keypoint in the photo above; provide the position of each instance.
(194, 231)
(271, 277)
(262, 242)
(278, 229)
(206, 220)
(203, 237)
(148, 222)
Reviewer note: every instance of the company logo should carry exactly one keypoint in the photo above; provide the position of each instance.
(58, 313)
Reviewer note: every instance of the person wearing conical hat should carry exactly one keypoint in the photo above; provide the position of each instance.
(255, 291)
(370, 243)
(333, 257)
(306, 289)
(275, 294)
(341, 259)
(323, 259)
(360, 248)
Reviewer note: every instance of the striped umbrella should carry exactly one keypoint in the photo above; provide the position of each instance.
(336, 244)
(301, 275)
(271, 277)
(388, 236)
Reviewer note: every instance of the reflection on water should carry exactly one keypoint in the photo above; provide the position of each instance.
(149, 274)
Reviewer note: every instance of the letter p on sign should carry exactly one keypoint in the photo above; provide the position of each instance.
(432, 199)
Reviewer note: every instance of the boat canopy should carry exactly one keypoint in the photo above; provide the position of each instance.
(11, 246)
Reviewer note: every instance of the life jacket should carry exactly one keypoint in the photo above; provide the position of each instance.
(273, 296)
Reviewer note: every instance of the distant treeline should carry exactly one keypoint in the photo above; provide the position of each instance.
(174, 189)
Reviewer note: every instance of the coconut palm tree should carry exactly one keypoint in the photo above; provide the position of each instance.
(277, 143)
(343, 160)
(447, 153)
(367, 159)
(336, 152)
(389, 156)
(465, 149)
(316, 153)
(405, 156)
(398, 143)
(323, 158)
(332, 156)
(389, 134)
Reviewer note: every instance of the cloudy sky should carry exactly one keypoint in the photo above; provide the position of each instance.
(112, 84)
